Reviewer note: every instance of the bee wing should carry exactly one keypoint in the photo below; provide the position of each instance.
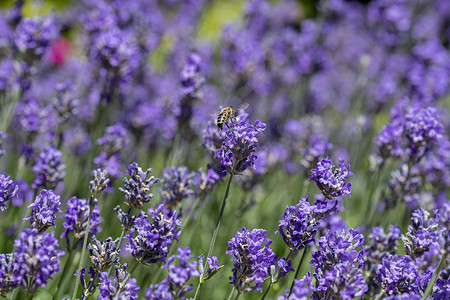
(242, 106)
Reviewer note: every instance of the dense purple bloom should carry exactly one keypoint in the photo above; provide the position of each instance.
(65, 102)
(33, 36)
(388, 141)
(115, 51)
(397, 274)
(331, 180)
(37, 256)
(302, 289)
(177, 277)
(178, 183)
(8, 274)
(191, 76)
(379, 246)
(8, 189)
(109, 288)
(423, 127)
(298, 225)
(45, 207)
(421, 234)
(338, 264)
(316, 148)
(76, 220)
(103, 254)
(49, 168)
(114, 139)
(253, 256)
(404, 296)
(154, 237)
(238, 146)
(136, 189)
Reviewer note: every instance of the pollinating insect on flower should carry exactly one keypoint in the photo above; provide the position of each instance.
(238, 146)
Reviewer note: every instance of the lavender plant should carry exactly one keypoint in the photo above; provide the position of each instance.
(113, 86)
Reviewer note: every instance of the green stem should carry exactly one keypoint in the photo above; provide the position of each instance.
(216, 229)
(118, 246)
(435, 276)
(83, 251)
(380, 295)
(268, 288)
(231, 293)
(64, 272)
(298, 269)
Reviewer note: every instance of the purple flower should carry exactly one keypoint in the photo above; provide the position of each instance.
(404, 296)
(45, 207)
(253, 256)
(213, 266)
(65, 103)
(76, 140)
(302, 289)
(331, 180)
(8, 189)
(397, 274)
(37, 256)
(177, 277)
(316, 148)
(126, 219)
(388, 141)
(109, 288)
(421, 234)
(191, 76)
(9, 278)
(423, 127)
(103, 254)
(338, 264)
(136, 189)
(114, 139)
(99, 183)
(76, 221)
(154, 237)
(33, 36)
(378, 247)
(178, 183)
(49, 168)
(298, 225)
(238, 146)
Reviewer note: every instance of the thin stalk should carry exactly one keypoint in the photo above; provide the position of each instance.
(435, 276)
(128, 278)
(231, 293)
(83, 252)
(216, 229)
(298, 269)
(268, 288)
(380, 295)
(64, 272)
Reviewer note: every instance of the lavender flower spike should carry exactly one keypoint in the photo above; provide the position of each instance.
(136, 189)
(154, 237)
(49, 168)
(239, 144)
(37, 256)
(331, 180)
(109, 288)
(8, 189)
(45, 207)
(253, 256)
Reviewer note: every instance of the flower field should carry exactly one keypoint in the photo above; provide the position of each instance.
(207, 149)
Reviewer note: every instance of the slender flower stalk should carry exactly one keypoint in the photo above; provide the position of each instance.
(216, 229)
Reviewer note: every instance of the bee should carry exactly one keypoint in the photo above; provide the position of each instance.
(229, 113)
